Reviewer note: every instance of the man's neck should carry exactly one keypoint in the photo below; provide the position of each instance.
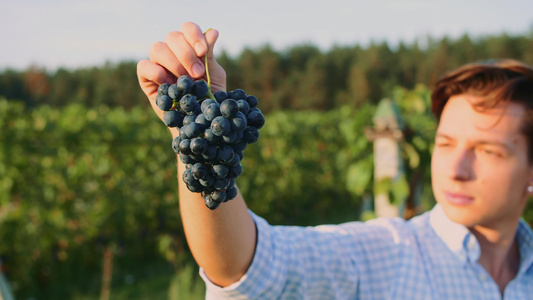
(499, 253)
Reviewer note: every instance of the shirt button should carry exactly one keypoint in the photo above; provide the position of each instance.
(482, 277)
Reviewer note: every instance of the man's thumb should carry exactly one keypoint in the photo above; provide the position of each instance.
(211, 36)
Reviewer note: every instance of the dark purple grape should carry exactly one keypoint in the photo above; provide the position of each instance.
(250, 135)
(198, 145)
(239, 136)
(252, 101)
(205, 103)
(184, 84)
(256, 119)
(163, 89)
(231, 183)
(210, 153)
(187, 159)
(210, 203)
(212, 111)
(164, 102)
(175, 144)
(239, 123)
(220, 126)
(231, 193)
(188, 104)
(188, 119)
(239, 146)
(220, 96)
(173, 92)
(234, 161)
(200, 89)
(225, 154)
(198, 110)
(196, 157)
(230, 138)
(237, 94)
(172, 118)
(208, 189)
(195, 187)
(211, 137)
(218, 196)
(185, 146)
(208, 180)
(188, 177)
(192, 130)
(240, 154)
(200, 119)
(220, 171)
(221, 183)
(182, 135)
(229, 108)
(244, 107)
(254, 109)
(235, 171)
(199, 171)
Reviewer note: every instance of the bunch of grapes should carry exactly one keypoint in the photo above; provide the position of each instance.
(214, 131)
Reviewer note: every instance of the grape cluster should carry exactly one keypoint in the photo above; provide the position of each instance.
(214, 131)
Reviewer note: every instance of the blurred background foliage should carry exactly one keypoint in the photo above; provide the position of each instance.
(88, 188)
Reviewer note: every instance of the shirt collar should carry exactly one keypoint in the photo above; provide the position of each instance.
(465, 245)
(524, 237)
(456, 236)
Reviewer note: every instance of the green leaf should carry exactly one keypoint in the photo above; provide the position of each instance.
(412, 155)
(359, 176)
(399, 190)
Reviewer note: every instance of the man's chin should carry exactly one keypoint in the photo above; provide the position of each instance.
(463, 215)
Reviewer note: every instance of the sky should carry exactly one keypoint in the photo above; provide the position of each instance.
(74, 34)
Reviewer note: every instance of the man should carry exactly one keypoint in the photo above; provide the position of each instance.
(472, 245)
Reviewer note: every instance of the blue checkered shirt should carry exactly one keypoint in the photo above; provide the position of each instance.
(427, 257)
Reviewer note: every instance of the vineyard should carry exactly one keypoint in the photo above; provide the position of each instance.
(89, 202)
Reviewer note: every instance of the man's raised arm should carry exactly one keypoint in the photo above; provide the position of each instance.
(222, 241)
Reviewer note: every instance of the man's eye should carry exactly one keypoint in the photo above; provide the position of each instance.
(491, 152)
(443, 144)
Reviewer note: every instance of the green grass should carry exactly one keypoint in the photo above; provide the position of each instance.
(156, 282)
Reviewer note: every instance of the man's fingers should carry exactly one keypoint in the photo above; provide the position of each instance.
(195, 37)
(150, 76)
(161, 54)
(211, 37)
(185, 54)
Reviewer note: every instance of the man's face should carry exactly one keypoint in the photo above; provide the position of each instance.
(480, 169)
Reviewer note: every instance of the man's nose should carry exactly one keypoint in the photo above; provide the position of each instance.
(461, 164)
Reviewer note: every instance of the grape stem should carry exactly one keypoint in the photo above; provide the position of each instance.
(209, 93)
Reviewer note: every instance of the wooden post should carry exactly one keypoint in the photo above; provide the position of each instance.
(386, 134)
(107, 272)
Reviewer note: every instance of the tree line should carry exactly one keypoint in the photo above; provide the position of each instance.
(300, 77)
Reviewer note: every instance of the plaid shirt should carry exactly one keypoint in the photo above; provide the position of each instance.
(427, 257)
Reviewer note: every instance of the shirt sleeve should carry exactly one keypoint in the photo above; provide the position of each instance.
(259, 277)
(292, 262)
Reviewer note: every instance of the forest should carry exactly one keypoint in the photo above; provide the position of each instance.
(298, 78)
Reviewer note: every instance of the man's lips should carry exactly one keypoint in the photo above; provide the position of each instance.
(458, 198)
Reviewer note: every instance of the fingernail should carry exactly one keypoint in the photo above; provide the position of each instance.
(197, 70)
(199, 47)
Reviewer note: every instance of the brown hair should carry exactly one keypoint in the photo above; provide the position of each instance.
(495, 81)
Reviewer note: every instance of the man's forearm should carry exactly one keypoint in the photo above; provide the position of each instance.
(223, 240)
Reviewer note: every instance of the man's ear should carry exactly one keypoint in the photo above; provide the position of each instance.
(530, 186)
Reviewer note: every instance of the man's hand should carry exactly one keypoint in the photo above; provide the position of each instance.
(182, 53)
